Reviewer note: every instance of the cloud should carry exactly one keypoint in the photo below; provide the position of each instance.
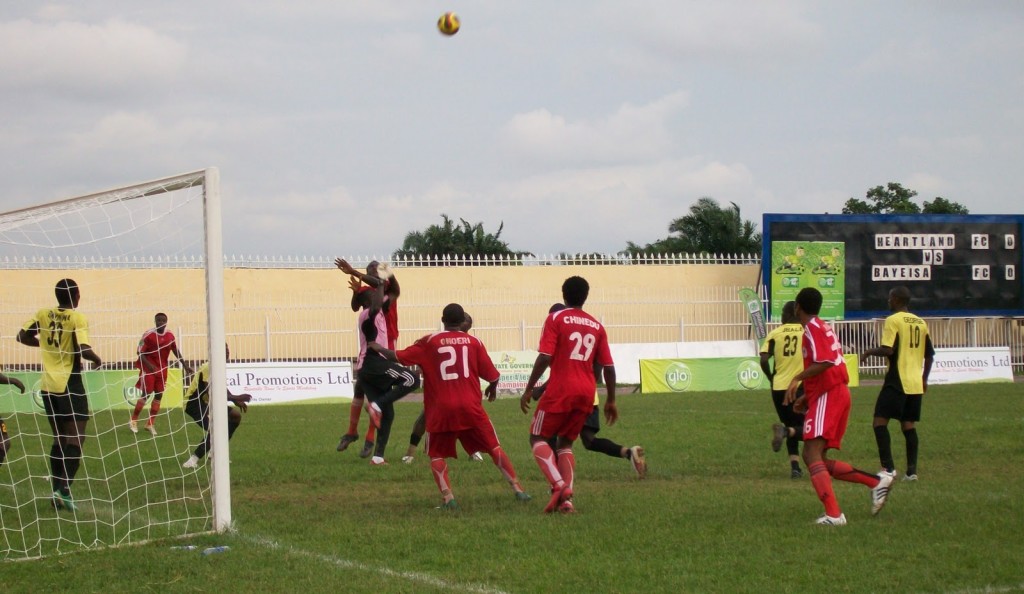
(631, 134)
(723, 29)
(106, 60)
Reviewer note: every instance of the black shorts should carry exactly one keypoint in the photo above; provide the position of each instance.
(593, 421)
(785, 412)
(71, 404)
(378, 375)
(199, 411)
(893, 403)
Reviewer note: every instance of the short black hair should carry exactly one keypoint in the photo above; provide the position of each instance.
(66, 292)
(453, 315)
(556, 307)
(789, 311)
(809, 299)
(575, 291)
(902, 295)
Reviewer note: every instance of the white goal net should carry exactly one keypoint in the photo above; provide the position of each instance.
(116, 486)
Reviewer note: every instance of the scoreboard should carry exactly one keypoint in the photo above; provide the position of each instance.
(954, 265)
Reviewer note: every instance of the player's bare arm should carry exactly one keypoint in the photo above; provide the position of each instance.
(29, 337)
(540, 365)
(491, 392)
(12, 381)
(240, 400)
(611, 411)
(90, 355)
(880, 351)
(382, 350)
(812, 370)
(347, 268)
(182, 361)
(766, 366)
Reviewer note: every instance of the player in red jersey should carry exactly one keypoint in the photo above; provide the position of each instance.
(5, 440)
(452, 363)
(376, 273)
(571, 341)
(154, 353)
(826, 400)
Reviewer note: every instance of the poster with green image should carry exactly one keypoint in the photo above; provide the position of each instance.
(818, 264)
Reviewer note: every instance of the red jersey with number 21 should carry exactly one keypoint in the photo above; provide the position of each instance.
(821, 345)
(453, 363)
(574, 340)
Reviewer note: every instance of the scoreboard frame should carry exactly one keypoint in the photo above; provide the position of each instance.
(954, 265)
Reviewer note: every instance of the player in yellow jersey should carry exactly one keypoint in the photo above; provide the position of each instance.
(197, 406)
(907, 345)
(784, 344)
(62, 334)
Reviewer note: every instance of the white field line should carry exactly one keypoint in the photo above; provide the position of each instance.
(992, 589)
(410, 576)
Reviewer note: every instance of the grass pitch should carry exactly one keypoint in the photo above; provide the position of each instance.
(717, 513)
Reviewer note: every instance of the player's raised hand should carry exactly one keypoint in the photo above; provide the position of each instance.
(354, 283)
(345, 267)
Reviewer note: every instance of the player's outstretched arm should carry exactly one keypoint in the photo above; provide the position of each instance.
(383, 350)
(12, 381)
(240, 400)
(611, 410)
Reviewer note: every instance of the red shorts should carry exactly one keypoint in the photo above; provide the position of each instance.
(151, 383)
(827, 415)
(477, 439)
(568, 424)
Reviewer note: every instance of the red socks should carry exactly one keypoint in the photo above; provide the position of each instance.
(822, 482)
(844, 472)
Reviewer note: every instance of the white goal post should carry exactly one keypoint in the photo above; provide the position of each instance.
(131, 486)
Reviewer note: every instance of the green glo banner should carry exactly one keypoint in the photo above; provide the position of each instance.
(713, 374)
(818, 264)
(106, 390)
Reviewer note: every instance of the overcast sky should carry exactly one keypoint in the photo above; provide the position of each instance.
(341, 125)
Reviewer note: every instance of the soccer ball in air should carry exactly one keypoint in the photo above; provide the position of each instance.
(448, 23)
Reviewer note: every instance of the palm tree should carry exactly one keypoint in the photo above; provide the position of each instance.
(708, 228)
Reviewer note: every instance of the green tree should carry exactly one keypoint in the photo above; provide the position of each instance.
(455, 240)
(708, 228)
(893, 198)
(942, 206)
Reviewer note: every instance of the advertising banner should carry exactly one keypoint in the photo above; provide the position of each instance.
(106, 390)
(278, 383)
(752, 304)
(515, 368)
(713, 374)
(818, 264)
(954, 366)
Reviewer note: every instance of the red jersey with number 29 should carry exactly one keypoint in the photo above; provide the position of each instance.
(574, 340)
(453, 363)
(821, 345)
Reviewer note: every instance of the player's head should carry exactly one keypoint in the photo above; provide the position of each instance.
(371, 268)
(789, 313)
(899, 298)
(556, 307)
(364, 297)
(67, 293)
(160, 321)
(467, 323)
(453, 316)
(575, 290)
(809, 299)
